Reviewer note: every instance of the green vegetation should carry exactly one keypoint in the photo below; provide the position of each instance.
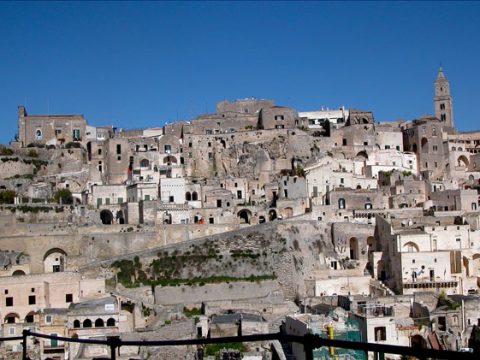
(213, 349)
(63, 196)
(5, 151)
(244, 253)
(74, 145)
(23, 176)
(406, 173)
(14, 159)
(249, 127)
(7, 196)
(192, 312)
(32, 153)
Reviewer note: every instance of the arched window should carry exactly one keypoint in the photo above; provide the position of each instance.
(38, 134)
(341, 203)
(111, 322)
(87, 323)
(76, 324)
(368, 206)
(144, 163)
(474, 206)
(99, 323)
(194, 196)
(188, 196)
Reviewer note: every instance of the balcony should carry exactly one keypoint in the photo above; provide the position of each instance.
(426, 284)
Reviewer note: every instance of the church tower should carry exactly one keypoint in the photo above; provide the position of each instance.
(442, 100)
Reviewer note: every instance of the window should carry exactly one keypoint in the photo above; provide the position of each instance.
(9, 301)
(442, 106)
(48, 319)
(397, 147)
(341, 203)
(387, 147)
(210, 156)
(119, 157)
(219, 203)
(168, 148)
(11, 331)
(99, 201)
(31, 300)
(239, 194)
(58, 131)
(10, 319)
(68, 298)
(76, 134)
(29, 319)
(435, 148)
(119, 149)
(380, 333)
(171, 199)
(211, 221)
(209, 144)
(107, 201)
(147, 197)
(344, 142)
(342, 181)
(120, 200)
(368, 206)
(38, 134)
(279, 117)
(365, 143)
(443, 117)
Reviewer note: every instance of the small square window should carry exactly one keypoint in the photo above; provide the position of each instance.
(48, 319)
(32, 300)
(6, 291)
(68, 298)
(32, 289)
(9, 301)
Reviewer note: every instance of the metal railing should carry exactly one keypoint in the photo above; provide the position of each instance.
(310, 342)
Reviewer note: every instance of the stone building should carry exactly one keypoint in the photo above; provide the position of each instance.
(50, 129)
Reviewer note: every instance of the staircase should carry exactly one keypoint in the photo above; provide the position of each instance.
(378, 285)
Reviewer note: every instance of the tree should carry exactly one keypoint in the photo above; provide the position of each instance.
(63, 196)
(7, 197)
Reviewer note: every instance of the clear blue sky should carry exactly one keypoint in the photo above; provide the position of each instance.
(143, 64)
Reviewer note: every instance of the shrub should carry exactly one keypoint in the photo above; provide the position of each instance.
(5, 151)
(63, 196)
(7, 197)
(32, 153)
(74, 145)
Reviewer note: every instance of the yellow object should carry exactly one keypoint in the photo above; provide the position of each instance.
(330, 336)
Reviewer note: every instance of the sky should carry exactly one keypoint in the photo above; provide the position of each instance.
(142, 64)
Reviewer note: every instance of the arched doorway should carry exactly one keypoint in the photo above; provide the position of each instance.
(107, 217)
(424, 145)
(169, 160)
(361, 156)
(381, 273)
(119, 217)
(244, 216)
(18, 273)
(418, 342)
(54, 260)
(354, 248)
(463, 161)
(272, 215)
(194, 196)
(111, 322)
(99, 323)
(87, 323)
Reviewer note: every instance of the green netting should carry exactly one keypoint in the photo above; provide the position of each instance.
(350, 332)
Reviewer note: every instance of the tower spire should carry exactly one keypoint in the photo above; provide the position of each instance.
(442, 100)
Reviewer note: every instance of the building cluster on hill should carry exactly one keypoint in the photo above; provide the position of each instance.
(371, 226)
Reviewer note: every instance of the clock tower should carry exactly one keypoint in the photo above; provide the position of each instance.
(442, 100)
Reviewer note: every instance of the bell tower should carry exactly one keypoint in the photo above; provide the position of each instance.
(442, 101)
